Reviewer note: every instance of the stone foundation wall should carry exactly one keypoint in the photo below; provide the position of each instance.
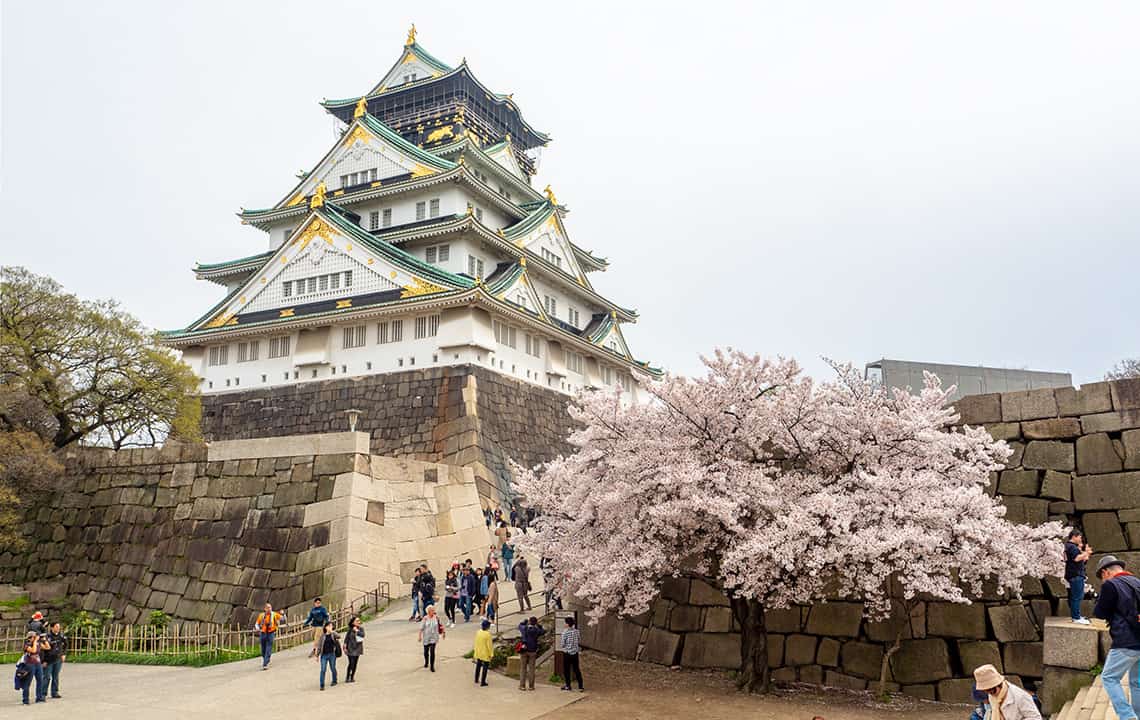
(210, 532)
(1076, 459)
(460, 415)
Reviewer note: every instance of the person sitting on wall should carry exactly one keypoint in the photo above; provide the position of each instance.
(1077, 553)
(1007, 701)
(317, 618)
(1119, 604)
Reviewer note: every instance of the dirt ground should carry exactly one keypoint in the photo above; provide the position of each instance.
(635, 691)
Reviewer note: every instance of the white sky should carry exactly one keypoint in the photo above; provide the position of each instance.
(948, 182)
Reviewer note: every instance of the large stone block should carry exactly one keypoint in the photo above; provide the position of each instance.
(846, 682)
(1018, 482)
(1023, 658)
(861, 659)
(799, 650)
(701, 593)
(785, 620)
(1125, 394)
(718, 619)
(885, 631)
(1061, 685)
(1097, 454)
(1028, 405)
(675, 589)
(775, 650)
(617, 637)
(1090, 398)
(1011, 623)
(956, 690)
(1130, 439)
(1110, 421)
(975, 653)
(1025, 510)
(1004, 431)
(955, 620)
(979, 409)
(1057, 485)
(1050, 429)
(1106, 492)
(1103, 532)
(662, 647)
(712, 650)
(921, 661)
(835, 619)
(685, 618)
(828, 652)
(1048, 455)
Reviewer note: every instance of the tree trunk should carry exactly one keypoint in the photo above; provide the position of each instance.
(908, 607)
(754, 676)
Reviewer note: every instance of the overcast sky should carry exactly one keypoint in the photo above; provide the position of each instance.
(948, 182)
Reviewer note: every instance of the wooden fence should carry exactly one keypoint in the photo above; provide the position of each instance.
(195, 638)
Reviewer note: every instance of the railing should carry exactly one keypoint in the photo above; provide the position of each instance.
(194, 638)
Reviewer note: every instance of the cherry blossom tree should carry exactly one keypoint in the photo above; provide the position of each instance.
(778, 490)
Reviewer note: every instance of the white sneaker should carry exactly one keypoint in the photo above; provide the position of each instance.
(1082, 621)
(451, 624)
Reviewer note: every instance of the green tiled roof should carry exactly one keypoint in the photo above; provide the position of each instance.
(374, 124)
(227, 264)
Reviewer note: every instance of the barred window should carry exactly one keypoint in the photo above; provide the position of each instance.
(427, 326)
(533, 345)
(387, 221)
(437, 254)
(551, 305)
(248, 351)
(348, 278)
(552, 258)
(219, 355)
(287, 288)
(354, 336)
(279, 346)
(323, 281)
(574, 362)
(626, 382)
(504, 334)
(397, 330)
(572, 316)
(421, 210)
(434, 208)
(474, 267)
(374, 220)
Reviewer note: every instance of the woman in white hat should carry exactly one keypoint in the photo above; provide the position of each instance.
(1007, 701)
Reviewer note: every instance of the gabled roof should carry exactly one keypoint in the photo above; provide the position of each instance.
(466, 145)
(412, 53)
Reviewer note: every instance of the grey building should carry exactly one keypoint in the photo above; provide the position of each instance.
(970, 379)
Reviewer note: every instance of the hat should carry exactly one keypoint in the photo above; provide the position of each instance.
(486, 624)
(37, 615)
(1107, 561)
(987, 677)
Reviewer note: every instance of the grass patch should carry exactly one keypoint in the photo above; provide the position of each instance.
(470, 654)
(203, 659)
(15, 603)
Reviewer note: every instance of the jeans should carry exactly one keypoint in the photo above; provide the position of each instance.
(465, 606)
(507, 568)
(266, 647)
(526, 668)
(490, 611)
(429, 655)
(1118, 662)
(1076, 594)
(481, 666)
(328, 661)
(351, 674)
(37, 674)
(51, 677)
(425, 601)
(416, 605)
(572, 666)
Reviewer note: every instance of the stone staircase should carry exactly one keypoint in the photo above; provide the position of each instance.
(1091, 703)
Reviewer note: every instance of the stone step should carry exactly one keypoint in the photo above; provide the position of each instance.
(1065, 713)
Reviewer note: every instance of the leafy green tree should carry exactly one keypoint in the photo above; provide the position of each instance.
(93, 371)
(28, 467)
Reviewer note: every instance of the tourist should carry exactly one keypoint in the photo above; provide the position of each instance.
(267, 623)
(330, 651)
(450, 596)
(353, 647)
(492, 554)
(982, 698)
(466, 593)
(492, 600)
(53, 657)
(415, 597)
(529, 633)
(36, 624)
(33, 663)
(480, 591)
(1007, 701)
(487, 516)
(431, 630)
(1077, 553)
(521, 575)
(514, 517)
(317, 618)
(484, 651)
(507, 552)
(427, 587)
(571, 647)
(1119, 604)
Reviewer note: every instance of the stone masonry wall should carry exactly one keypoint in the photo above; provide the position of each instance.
(210, 532)
(1076, 459)
(461, 415)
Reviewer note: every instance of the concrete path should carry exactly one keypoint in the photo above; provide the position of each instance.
(391, 682)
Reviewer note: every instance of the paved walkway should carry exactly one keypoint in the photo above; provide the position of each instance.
(391, 682)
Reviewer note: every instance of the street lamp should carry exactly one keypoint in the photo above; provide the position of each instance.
(353, 415)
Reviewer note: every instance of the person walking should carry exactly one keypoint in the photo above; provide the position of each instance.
(427, 587)
(1119, 604)
(450, 596)
(33, 663)
(507, 552)
(484, 651)
(431, 630)
(318, 616)
(1077, 553)
(267, 623)
(353, 646)
(330, 651)
(1007, 701)
(520, 573)
(481, 597)
(529, 633)
(492, 604)
(571, 649)
(466, 593)
(53, 656)
(416, 597)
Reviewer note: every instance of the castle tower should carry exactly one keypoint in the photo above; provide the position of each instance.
(416, 241)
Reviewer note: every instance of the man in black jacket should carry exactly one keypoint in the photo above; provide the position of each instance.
(1119, 604)
(427, 588)
(529, 633)
(53, 657)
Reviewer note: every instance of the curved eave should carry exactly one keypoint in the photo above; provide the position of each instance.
(585, 257)
(541, 137)
(215, 271)
(465, 145)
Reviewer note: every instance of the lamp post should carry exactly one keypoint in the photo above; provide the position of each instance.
(353, 415)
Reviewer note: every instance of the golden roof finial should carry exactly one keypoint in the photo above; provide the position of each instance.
(522, 261)
(550, 195)
(361, 108)
(411, 36)
(613, 314)
(470, 209)
(318, 198)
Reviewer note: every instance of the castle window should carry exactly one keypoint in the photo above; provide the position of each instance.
(437, 254)
(574, 362)
(533, 345)
(572, 316)
(433, 210)
(552, 258)
(427, 326)
(421, 210)
(504, 334)
(397, 330)
(354, 336)
(372, 174)
(287, 288)
(264, 378)
(312, 284)
(607, 375)
(219, 355)
(248, 351)
(279, 347)
(626, 382)
(374, 220)
(343, 181)
(474, 267)
(521, 300)
(334, 281)
(348, 278)
(387, 218)
(551, 305)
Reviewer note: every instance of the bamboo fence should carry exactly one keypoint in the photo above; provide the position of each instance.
(193, 638)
